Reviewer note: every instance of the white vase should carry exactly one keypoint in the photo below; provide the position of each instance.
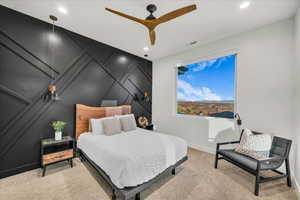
(58, 135)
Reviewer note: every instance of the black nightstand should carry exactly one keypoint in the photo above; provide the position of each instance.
(54, 151)
(149, 127)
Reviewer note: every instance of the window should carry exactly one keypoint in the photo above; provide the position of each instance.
(207, 88)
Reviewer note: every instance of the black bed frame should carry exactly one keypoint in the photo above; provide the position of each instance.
(128, 192)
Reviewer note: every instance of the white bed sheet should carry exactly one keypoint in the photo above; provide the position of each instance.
(134, 157)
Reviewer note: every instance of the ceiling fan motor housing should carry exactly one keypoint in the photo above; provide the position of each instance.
(151, 8)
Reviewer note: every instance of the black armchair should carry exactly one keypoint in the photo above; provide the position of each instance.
(278, 155)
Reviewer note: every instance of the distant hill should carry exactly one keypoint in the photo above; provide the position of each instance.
(229, 115)
(225, 101)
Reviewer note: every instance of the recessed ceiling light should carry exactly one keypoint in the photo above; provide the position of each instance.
(193, 42)
(146, 48)
(245, 4)
(62, 10)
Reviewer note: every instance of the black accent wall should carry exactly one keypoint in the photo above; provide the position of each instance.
(86, 72)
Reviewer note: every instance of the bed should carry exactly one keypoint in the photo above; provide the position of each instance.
(132, 161)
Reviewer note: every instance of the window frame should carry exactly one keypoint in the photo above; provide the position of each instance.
(207, 57)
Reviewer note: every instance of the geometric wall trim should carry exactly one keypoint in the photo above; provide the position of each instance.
(85, 72)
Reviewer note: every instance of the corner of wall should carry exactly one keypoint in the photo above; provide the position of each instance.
(296, 172)
(202, 148)
(296, 186)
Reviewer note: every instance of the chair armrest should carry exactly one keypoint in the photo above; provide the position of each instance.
(275, 158)
(268, 160)
(226, 143)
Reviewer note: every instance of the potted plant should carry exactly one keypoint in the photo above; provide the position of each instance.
(58, 126)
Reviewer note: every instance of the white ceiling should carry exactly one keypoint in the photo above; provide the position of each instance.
(214, 19)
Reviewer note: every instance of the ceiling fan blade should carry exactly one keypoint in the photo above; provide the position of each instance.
(126, 16)
(176, 13)
(152, 36)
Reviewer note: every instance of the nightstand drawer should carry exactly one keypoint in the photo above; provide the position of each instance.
(54, 157)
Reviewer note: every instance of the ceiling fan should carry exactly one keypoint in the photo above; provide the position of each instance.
(151, 21)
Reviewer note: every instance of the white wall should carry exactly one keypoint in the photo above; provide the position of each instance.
(264, 87)
(297, 101)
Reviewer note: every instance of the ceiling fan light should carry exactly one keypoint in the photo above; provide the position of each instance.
(62, 10)
(245, 4)
(193, 42)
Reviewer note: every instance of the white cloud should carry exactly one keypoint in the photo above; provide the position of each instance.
(188, 93)
(202, 65)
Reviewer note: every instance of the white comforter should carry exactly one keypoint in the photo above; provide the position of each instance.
(134, 157)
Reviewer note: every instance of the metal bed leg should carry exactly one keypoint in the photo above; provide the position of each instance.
(81, 157)
(113, 196)
(138, 196)
(174, 171)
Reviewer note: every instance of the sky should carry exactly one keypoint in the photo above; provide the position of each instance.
(208, 80)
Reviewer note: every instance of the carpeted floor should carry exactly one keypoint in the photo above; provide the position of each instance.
(196, 180)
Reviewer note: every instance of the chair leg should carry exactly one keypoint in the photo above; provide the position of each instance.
(216, 160)
(288, 172)
(257, 180)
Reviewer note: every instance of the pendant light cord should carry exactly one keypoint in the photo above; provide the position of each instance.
(52, 52)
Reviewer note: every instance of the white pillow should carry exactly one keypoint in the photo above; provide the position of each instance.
(255, 145)
(128, 115)
(111, 126)
(96, 125)
(128, 123)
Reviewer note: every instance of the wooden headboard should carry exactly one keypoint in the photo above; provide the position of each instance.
(84, 113)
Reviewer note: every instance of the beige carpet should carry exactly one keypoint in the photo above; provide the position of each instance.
(196, 180)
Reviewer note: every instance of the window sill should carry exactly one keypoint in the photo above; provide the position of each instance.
(202, 117)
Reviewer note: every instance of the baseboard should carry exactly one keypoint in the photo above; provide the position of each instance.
(202, 148)
(296, 186)
(20, 169)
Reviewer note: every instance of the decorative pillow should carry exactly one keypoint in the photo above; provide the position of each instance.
(128, 123)
(255, 145)
(111, 126)
(96, 125)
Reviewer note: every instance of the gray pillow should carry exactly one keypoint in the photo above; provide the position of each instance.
(111, 126)
(128, 123)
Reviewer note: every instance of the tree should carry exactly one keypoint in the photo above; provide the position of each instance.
(182, 70)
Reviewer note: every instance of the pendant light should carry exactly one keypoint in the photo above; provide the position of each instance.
(52, 92)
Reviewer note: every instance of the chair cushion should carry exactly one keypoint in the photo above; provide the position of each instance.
(248, 161)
